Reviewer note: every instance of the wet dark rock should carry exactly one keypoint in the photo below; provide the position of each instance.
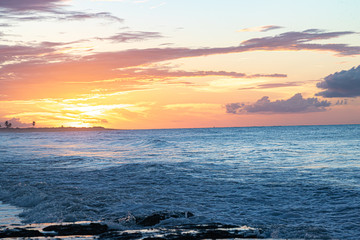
(156, 218)
(19, 232)
(121, 235)
(187, 232)
(77, 229)
(178, 232)
(150, 220)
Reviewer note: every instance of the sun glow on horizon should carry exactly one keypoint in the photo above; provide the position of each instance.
(97, 63)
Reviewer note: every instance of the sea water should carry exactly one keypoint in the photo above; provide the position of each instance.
(294, 182)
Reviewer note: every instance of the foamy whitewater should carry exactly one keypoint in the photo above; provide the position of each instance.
(293, 182)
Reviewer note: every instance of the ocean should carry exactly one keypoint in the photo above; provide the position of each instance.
(289, 181)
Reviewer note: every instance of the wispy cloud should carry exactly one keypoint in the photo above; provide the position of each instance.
(32, 10)
(341, 84)
(295, 104)
(297, 41)
(260, 28)
(132, 36)
(274, 85)
(44, 63)
(157, 72)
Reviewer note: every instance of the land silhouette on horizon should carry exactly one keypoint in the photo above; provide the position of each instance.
(54, 129)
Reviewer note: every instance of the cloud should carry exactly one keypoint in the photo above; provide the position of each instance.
(21, 53)
(260, 29)
(341, 102)
(5, 25)
(44, 63)
(341, 84)
(28, 10)
(132, 36)
(30, 5)
(75, 15)
(295, 104)
(155, 72)
(286, 41)
(274, 85)
(296, 41)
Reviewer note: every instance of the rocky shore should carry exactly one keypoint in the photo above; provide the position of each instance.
(146, 229)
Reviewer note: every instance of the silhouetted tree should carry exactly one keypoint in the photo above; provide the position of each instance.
(8, 124)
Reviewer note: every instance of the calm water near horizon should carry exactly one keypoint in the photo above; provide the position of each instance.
(294, 182)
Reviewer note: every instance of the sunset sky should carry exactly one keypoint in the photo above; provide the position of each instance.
(135, 64)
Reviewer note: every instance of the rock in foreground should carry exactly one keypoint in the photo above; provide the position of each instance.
(102, 231)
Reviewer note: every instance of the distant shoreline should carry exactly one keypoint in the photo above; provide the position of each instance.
(55, 129)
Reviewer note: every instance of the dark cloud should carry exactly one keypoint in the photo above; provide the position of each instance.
(132, 36)
(341, 84)
(294, 104)
(341, 102)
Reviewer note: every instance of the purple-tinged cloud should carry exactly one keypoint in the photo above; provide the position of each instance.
(132, 36)
(302, 41)
(341, 84)
(168, 73)
(28, 10)
(341, 102)
(30, 5)
(43, 62)
(24, 53)
(273, 85)
(77, 16)
(260, 29)
(295, 104)
(270, 27)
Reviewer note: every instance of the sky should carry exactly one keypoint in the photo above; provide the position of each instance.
(144, 64)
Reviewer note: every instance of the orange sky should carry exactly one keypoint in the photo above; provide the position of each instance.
(151, 64)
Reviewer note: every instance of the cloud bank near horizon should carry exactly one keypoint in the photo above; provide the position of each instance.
(341, 84)
(295, 104)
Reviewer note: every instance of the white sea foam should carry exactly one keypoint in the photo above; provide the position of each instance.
(258, 177)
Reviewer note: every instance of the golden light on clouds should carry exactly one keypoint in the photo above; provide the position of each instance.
(70, 63)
